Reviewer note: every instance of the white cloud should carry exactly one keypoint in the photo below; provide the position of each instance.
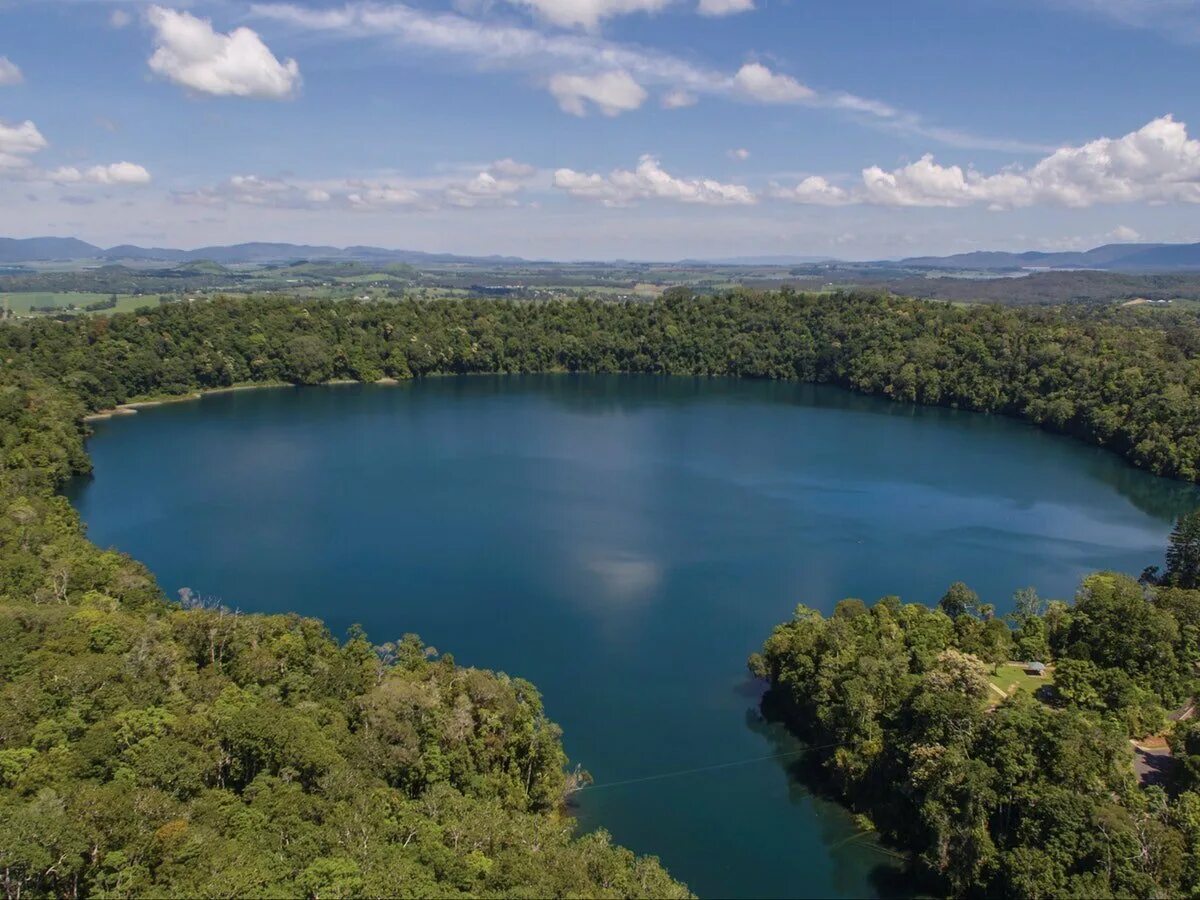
(115, 173)
(510, 168)
(923, 183)
(724, 7)
(678, 99)
(498, 184)
(612, 92)
(10, 72)
(1124, 234)
(119, 18)
(189, 52)
(18, 143)
(1158, 163)
(492, 45)
(740, 154)
(814, 190)
(382, 196)
(485, 189)
(119, 173)
(759, 83)
(587, 13)
(650, 181)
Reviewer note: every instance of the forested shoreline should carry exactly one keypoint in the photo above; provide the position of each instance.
(184, 749)
(996, 782)
(154, 747)
(1123, 380)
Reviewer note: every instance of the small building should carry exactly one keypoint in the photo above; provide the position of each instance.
(1035, 668)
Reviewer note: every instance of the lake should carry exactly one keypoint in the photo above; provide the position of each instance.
(623, 542)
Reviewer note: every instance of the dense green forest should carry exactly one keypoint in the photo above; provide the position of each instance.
(158, 749)
(1028, 795)
(1128, 380)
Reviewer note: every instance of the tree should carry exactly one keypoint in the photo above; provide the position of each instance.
(960, 673)
(1183, 552)
(1027, 604)
(959, 600)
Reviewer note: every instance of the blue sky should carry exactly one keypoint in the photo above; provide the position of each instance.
(644, 129)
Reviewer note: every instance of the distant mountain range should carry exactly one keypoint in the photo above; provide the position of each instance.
(1110, 257)
(52, 249)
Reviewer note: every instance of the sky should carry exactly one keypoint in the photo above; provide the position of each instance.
(603, 129)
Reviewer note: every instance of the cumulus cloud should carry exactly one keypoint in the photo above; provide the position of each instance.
(278, 193)
(1158, 163)
(650, 181)
(10, 72)
(382, 196)
(740, 154)
(115, 173)
(484, 189)
(498, 184)
(612, 92)
(510, 168)
(588, 13)
(190, 53)
(814, 190)
(724, 7)
(678, 99)
(119, 18)
(1124, 234)
(759, 83)
(18, 143)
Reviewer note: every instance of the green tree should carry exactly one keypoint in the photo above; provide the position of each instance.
(1183, 552)
(959, 600)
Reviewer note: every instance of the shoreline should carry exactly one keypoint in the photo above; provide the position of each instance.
(131, 407)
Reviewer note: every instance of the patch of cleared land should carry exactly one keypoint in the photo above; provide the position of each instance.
(1011, 677)
(22, 302)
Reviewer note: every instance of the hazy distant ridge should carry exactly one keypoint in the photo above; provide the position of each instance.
(51, 249)
(1111, 257)
(1114, 257)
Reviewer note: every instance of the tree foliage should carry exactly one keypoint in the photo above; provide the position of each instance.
(150, 748)
(1025, 796)
(1115, 379)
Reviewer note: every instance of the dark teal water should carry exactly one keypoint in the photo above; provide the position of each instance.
(624, 543)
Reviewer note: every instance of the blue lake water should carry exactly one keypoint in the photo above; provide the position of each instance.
(624, 543)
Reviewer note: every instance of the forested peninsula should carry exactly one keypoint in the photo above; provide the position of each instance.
(999, 751)
(151, 747)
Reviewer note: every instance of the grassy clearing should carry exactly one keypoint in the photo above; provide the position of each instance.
(1011, 677)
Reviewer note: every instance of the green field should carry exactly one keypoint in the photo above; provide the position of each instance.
(22, 302)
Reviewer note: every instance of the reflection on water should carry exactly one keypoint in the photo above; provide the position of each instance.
(604, 395)
(858, 848)
(624, 543)
(625, 578)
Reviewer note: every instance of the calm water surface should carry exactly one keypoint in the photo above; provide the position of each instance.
(624, 543)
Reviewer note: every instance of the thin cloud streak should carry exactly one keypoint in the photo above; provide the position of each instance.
(1177, 19)
(496, 45)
